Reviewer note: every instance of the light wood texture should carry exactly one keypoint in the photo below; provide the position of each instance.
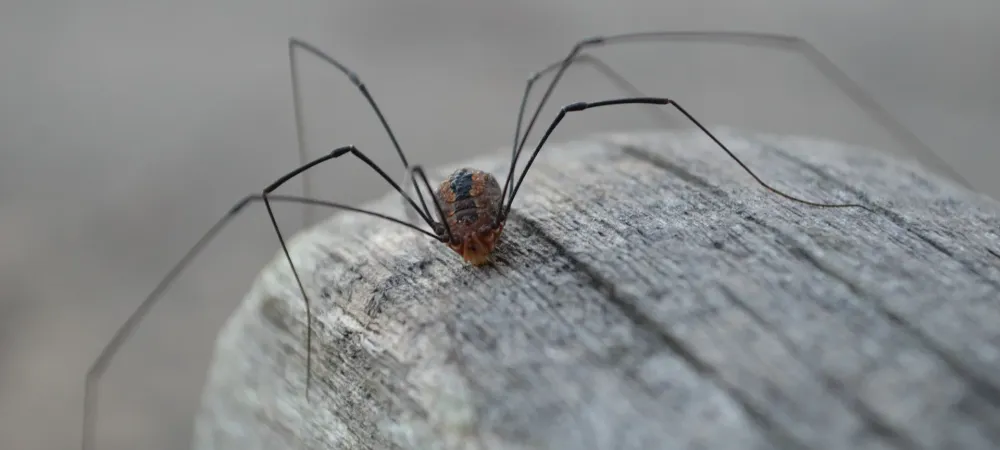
(646, 294)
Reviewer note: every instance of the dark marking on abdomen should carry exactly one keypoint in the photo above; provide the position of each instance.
(461, 185)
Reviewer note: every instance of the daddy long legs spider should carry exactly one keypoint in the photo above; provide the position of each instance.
(472, 206)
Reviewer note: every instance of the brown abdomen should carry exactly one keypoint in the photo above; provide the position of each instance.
(470, 200)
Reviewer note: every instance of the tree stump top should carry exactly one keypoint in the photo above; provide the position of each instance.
(647, 293)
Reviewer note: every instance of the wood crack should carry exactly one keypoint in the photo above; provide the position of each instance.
(978, 383)
(872, 420)
(974, 381)
(628, 306)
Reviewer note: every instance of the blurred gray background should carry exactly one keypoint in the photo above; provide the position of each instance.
(127, 127)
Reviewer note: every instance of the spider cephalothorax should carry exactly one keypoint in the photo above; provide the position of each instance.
(471, 203)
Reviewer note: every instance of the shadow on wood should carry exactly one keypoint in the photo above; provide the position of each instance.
(646, 294)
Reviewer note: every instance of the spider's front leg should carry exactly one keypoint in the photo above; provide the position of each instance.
(100, 365)
(581, 106)
(104, 359)
(424, 213)
(835, 75)
(441, 233)
(598, 64)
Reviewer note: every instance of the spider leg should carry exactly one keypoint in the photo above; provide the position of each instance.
(100, 365)
(266, 194)
(580, 106)
(295, 43)
(358, 154)
(407, 180)
(776, 41)
(583, 58)
(419, 170)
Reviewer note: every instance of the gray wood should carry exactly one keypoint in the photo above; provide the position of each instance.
(646, 294)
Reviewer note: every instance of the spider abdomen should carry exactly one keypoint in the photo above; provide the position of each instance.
(470, 200)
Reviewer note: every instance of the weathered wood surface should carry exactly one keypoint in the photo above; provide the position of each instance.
(647, 294)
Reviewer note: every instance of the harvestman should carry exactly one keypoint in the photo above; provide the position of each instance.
(472, 206)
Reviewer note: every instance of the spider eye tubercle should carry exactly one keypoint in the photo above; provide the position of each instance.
(440, 231)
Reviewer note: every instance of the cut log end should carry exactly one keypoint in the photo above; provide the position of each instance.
(646, 293)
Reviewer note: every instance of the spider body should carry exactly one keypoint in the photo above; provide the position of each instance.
(471, 202)
(472, 205)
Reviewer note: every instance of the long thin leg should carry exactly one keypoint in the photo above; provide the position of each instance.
(295, 43)
(407, 179)
(103, 360)
(281, 238)
(793, 43)
(357, 153)
(654, 101)
(445, 228)
(584, 58)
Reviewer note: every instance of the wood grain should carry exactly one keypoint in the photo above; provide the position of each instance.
(646, 294)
